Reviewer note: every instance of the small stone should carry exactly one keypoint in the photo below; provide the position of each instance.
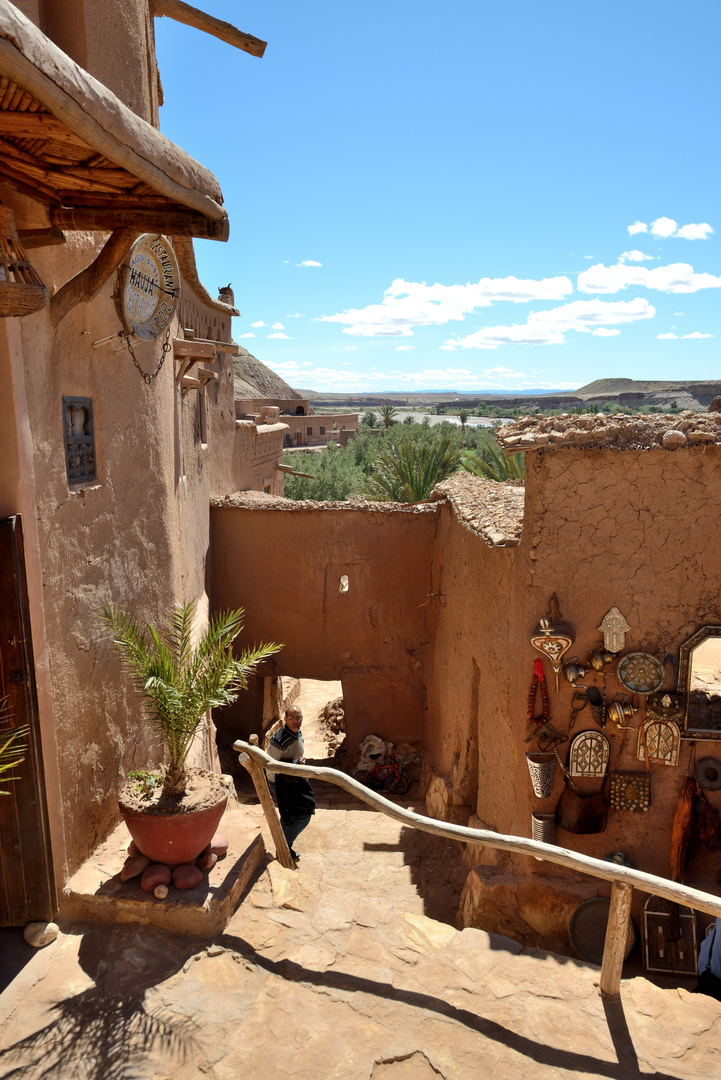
(219, 845)
(39, 934)
(701, 436)
(715, 405)
(215, 950)
(133, 867)
(673, 438)
(187, 876)
(133, 848)
(206, 861)
(160, 891)
(157, 874)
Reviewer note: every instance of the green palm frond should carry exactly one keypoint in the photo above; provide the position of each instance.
(489, 461)
(179, 678)
(408, 472)
(12, 746)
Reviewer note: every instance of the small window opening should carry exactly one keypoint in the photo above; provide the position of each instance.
(322, 430)
(79, 440)
(343, 584)
(309, 431)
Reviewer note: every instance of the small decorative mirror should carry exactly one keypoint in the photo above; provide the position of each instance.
(700, 678)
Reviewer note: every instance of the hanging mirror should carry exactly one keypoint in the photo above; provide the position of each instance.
(700, 679)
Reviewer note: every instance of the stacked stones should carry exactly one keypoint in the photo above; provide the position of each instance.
(493, 511)
(156, 877)
(613, 432)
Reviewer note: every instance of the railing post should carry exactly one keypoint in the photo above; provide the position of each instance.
(263, 791)
(616, 943)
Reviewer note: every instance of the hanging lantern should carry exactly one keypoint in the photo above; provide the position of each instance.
(21, 290)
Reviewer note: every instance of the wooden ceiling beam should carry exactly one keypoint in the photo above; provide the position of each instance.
(171, 222)
(26, 125)
(200, 20)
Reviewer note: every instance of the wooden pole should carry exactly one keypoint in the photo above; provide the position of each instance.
(170, 222)
(574, 860)
(200, 20)
(261, 786)
(90, 280)
(614, 948)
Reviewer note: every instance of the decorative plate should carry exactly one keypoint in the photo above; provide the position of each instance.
(640, 672)
(587, 929)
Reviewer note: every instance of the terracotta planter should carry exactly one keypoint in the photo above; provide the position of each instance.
(174, 838)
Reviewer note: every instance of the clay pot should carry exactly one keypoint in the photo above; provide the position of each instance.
(174, 838)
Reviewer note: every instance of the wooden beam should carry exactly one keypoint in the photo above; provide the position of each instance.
(199, 20)
(37, 238)
(171, 222)
(574, 860)
(263, 792)
(85, 284)
(26, 125)
(616, 943)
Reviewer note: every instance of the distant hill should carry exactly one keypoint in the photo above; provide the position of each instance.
(254, 380)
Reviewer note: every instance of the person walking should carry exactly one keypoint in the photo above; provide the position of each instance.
(294, 794)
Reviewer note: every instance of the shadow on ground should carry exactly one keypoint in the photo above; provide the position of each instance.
(105, 1032)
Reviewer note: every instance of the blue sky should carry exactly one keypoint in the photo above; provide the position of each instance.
(471, 196)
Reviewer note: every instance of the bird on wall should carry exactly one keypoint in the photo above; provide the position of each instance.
(225, 295)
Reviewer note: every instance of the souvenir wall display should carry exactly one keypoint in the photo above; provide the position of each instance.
(665, 705)
(541, 767)
(669, 937)
(573, 670)
(663, 739)
(543, 828)
(640, 673)
(700, 680)
(631, 791)
(708, 773)
(553, 638)
(614, 629)
(620, 710)
(588, 755)
(539, 726)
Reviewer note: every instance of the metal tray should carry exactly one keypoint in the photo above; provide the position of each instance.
(587, 929)
(640, 672)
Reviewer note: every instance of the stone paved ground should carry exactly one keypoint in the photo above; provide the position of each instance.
(350, 967)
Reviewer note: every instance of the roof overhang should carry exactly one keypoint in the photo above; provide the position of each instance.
(68, 142)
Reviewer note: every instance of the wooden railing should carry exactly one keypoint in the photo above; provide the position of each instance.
(624, 879)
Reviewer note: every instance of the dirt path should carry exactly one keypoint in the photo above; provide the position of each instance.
(313, 696)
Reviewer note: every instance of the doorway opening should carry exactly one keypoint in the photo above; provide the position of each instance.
(323, 715)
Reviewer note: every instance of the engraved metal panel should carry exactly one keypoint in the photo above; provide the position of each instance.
(663, 739)
(668, 945)
(588, 755)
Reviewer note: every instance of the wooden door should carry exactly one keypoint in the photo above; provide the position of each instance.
(27, 890)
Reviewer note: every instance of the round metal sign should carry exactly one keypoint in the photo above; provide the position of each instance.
(150, 287)
(708, 773)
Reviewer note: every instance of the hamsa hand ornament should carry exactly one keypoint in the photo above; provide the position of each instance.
(553, 638)
(614, 629)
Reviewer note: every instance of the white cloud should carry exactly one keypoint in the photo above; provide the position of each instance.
(694, 231)
(407, 304)
(664, 226)
(695, 336)
(678, 314)
(309, 262)
(549, 327)
(297, 315)
(286, 261)
(278, 326)
(674, 278)
(634, 256)
(255, 325)
(247, 335)
(604, 332)
(460, 378)
(283, 337)
(404, 348)
(589, 256)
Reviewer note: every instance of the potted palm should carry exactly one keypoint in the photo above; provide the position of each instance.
(173, 812)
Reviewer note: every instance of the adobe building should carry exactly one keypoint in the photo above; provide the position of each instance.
(110, 445)
(426, 613)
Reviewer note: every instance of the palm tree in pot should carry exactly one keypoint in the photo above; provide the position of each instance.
(180, 681)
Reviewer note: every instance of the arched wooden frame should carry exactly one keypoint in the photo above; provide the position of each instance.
(684, 681)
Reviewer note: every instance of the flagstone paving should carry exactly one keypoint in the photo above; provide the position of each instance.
(350, 967)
